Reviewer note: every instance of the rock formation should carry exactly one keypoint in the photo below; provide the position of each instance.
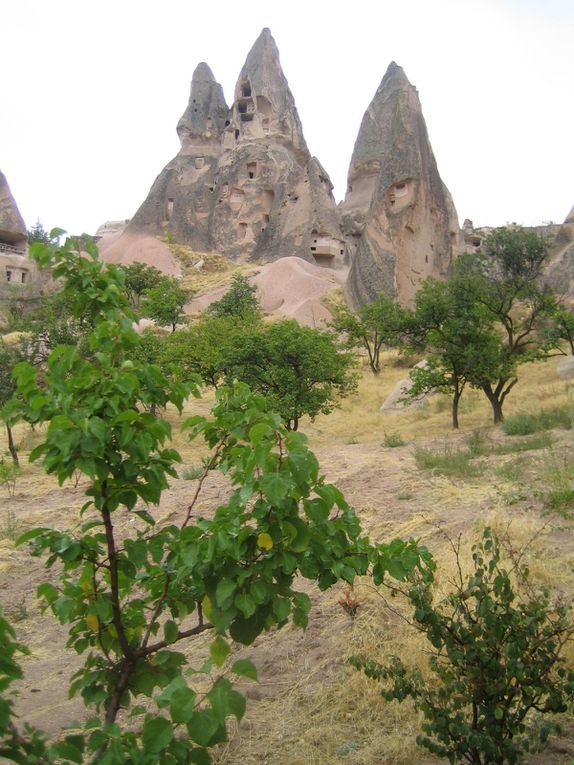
(560, 269)
(15, 268)
(244, 183)
(397, 210)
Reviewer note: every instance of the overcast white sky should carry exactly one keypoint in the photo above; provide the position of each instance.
(92, 91)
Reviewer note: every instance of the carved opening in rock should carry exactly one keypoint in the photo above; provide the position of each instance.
(251, 169)
(242, 230)
(267, 199)
(227, 123)
(169, 209)
(23, 277)
(199, 162)
(264, 106)
(325, 248)
(246, 89)
(8, 275)
(236, 198)
(265, 125)
(225, 190)
(246, 117)
(209, 123)
(236, 134)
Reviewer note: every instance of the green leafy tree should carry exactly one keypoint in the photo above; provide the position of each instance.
(240, 301)
(496, 659)
(459, 339)
(300, 370)
(165, 301)
(201, 348)
(505, 281)
(9, 357)
(133, 597)
(378, 324)
(138, 278)
(38, 233)
(560, 328)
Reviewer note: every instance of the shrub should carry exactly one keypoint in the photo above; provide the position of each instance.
(525, 423)
(495, 658)
(393, 439)
(448, 462)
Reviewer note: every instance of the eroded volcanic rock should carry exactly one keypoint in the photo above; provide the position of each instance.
(244, 182)
(560, 270)
(397, 211)
(12, 226)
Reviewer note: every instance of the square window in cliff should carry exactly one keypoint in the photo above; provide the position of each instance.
(246, 117)
(23, 277)
(242, 107)
(246, 89)
(199, 162)
(251, 169)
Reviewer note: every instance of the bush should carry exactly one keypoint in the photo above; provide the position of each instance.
(392, 440)
(495, 659)
(524, 423)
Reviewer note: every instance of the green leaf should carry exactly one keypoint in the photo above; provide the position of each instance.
(170, 631)
(275, 487)
(244, 668)
(224, 592)
(219, 651)
(157, 734)
(145, 516)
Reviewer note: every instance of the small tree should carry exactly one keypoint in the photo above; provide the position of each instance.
(458, 337)
(38, 233)
(380, 323)
(560, 328)
(505, 281)
(240, 301)
(201, 348)
(139, 277)
(9, 357)
(165, 301)
(298, 369)
(495, 658)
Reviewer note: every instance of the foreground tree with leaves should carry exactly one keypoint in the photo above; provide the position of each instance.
(132, 598)
(496, 659)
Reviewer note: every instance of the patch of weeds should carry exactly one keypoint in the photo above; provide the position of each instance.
(8, 474)
(478, 444)
(10, 527)
(513, 470)
(404, 495)
(448, 462)
(393, 440)
(18, 612)
(539, 441)
(193, 472)
(558, 475)
(526, 423)
(561, 500)
(352, 441)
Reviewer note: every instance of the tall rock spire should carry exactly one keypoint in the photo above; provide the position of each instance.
(206, 113)
(244, 183)
(397, 210)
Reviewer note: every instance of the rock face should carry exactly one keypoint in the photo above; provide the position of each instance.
(244, 182)
(560, 269)
(397, 210)
(15, 268)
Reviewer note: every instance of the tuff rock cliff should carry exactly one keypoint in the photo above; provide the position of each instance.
(244, 182)
(397, 211)
(15, 268)
(560, 269)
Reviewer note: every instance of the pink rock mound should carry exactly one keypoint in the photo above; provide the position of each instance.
(129, 248)
(287, 288)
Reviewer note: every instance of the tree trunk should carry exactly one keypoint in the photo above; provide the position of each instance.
(11, 447)
(495, 403)
(455, 400)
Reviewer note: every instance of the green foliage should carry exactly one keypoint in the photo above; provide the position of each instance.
(201, 348)
(298, 369)
(8, 474)
(139, 277)
(525, 423)
(448, 462)
(380, 323)
(239, 302)
(560, 328)
(164, 302)
(38, 233)
(393, 439)
(129, 598)
(495, 657)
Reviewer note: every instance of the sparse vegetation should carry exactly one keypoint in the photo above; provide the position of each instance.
(393, 439)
